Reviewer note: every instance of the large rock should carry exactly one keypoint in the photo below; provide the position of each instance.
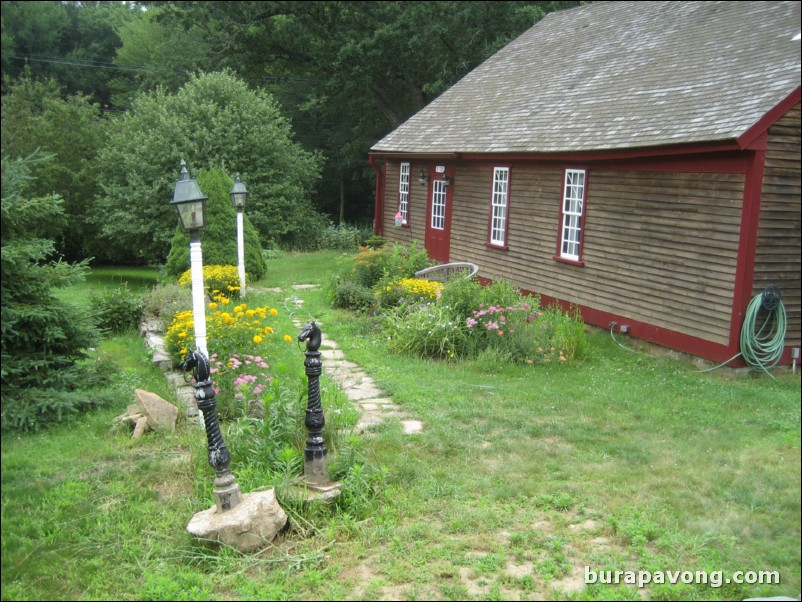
(250, 525)
(161, 414)
(150, 412)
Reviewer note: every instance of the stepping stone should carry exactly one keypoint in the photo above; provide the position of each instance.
(361, 392)
(412, 427)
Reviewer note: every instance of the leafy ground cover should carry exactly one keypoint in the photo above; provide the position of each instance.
(523, 476)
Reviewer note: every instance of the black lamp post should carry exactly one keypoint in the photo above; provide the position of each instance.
(239, 196)
(190, 204)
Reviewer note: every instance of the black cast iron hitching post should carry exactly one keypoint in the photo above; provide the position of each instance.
(316, 471)
(226, 491)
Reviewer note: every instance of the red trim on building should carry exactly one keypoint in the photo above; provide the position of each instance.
(747, 246)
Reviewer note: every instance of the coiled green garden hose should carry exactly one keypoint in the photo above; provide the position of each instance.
(761, 349)
(764, 349)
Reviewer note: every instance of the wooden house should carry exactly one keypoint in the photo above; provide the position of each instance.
(638, 160)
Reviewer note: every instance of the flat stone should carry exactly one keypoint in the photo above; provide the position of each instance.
(368, 419)
(249, 526)
(412, 427)
(161, 414)
(360, 392)
(300, 287)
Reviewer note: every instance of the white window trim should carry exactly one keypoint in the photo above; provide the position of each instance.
(403, 192)
(573, 209)
(439, 200)
(499, 206)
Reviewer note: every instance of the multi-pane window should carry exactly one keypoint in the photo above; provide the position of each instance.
(439, 204)
(498, 212)
(403, 192)
(573, 206)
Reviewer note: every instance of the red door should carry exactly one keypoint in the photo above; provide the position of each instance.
(438, 222)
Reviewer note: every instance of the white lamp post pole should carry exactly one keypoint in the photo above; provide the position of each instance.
(238, 197)
(198, 291)
(241, 252)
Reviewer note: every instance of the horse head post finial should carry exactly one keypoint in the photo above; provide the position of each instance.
(312, 335)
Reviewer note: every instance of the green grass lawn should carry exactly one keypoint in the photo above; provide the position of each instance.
(523, 476)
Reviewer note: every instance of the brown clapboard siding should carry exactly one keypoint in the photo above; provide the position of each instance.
(777, 258)
(643, 254)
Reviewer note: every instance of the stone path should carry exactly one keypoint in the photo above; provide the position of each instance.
(374, 405)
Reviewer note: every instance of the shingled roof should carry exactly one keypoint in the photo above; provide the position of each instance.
(618, 75)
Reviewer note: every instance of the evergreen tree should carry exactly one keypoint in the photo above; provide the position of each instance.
(219, 238)
(43, 338)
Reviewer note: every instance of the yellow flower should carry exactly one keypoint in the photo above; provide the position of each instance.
(273, 312)
(288, 338)
(268, 330)
(226, 301)
(257, 339)
(212, 305)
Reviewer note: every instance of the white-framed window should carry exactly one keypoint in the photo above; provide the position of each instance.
(403, 192)
(572, 213)
(439, 204)
(498, 209)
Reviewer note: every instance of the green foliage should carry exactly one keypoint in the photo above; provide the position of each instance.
(219, 238)
(36, 116)
(117, 310)
(339, 237)
(214, 121)
(348, 294)
(424, 330)
(165, 300)
(43, 338)
(494, 324)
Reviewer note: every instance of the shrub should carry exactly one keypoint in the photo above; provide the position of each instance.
(339, 237)
(240, 380)
(425, 330)
(395, 292)
(238, 329)
(117, 310)
(165, 300)
(217, 280)
(352, 295)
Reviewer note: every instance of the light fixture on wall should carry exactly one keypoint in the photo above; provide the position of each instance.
(447, 181)
(423, 179)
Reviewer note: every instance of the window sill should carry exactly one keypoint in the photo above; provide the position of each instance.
(497, 247)
(575, 262)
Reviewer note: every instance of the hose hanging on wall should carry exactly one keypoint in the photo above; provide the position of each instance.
(763, 348)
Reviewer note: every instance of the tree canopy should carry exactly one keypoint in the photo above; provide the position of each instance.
(341, 73)
(215, 120)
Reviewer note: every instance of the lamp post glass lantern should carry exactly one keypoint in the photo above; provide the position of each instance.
(239, 195)
(189, 202)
